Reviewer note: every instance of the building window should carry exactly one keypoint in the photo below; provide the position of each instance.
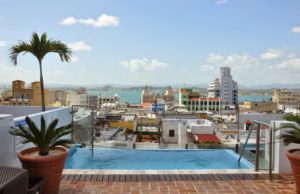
(171, 133)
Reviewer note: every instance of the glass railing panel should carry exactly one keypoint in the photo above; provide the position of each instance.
(82, 125)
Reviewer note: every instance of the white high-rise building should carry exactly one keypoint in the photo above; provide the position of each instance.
(214, 89)
(224, 87)
(229, 88)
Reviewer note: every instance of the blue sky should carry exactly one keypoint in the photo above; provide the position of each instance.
(156, 42)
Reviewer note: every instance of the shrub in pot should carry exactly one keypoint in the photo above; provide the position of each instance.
(293, 136)
(48, 157)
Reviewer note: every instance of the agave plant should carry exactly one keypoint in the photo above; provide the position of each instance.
(44, 138)
(293, 135)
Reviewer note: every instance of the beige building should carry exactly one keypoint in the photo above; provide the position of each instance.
(61, 96)
(36, 100)
(57, 98)
(286, 97)
(26, 96)
(5, 98)
(252, 107)
(147, 98)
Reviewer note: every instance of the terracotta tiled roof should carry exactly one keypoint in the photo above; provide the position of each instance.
(206, 138)
(205, 99)
(146, 105)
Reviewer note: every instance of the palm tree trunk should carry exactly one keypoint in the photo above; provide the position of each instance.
(42, 87)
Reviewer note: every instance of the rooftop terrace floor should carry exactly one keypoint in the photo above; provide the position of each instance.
(175, 183)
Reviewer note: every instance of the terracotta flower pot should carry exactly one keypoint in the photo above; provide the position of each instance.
(49, 167)
(295, 164)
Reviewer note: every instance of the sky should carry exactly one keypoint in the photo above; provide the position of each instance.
(137, 42)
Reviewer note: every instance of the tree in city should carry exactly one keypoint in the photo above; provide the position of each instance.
(40, 47)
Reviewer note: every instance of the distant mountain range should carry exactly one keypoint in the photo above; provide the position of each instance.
(270, 86)
(124, 86)
(157, 86)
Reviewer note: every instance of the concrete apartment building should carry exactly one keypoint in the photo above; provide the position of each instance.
(224, 87)
(195, 102)
(81, 97)
(57, 98)
(77, 97)
(92, 100)
(286, 97)
(253, 107)
(105, 100)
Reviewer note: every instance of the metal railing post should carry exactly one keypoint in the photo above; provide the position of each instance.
(271, 150)
(92, 128)
(246, 142)
(257, 147)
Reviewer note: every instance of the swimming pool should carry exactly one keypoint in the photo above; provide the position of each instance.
(122, 159)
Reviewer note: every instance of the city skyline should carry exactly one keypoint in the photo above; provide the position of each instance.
(157, 43)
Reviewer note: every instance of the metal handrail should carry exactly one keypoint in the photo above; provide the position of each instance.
(246, 142)
(256, 126)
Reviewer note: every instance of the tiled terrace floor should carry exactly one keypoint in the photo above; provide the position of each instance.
(174, 184)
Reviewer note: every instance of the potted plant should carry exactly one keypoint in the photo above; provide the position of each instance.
(48, 157)
(293, 136)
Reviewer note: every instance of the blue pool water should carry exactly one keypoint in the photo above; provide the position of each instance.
(84, 158)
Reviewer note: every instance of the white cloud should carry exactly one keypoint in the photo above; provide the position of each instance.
(222, 2)
(233, 60)
(68, 21)
(273, 66)
(286, 65)
(213, 58)
(10, 72)
(2, 43)
(74, 59)
(79, 46)
(272, 54)
(102, 21)
(143, 65)
(296, 29)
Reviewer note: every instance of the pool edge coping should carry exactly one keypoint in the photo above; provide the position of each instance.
(128, 172)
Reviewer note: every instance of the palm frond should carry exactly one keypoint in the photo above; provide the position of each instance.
(43, 126)
(17, 49)
(33, 128)
(291, 117)
(40, 47)
(293, 135)
(61, 49)
(61, 142)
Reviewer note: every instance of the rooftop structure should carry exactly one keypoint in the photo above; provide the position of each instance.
(176, 130)
(167, 99)
(108, 99)
(286, 97)
(249, 107)
(195, 102)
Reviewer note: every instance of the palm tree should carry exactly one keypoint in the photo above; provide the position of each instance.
(293, 135)
(40, 47)
(44, 138)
